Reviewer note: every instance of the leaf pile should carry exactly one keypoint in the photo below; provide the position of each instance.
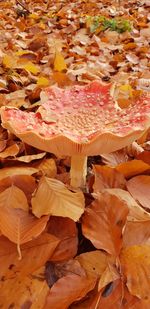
(62, 248)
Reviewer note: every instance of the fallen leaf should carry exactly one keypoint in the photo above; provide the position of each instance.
(136, 233)
(31, 67)
(139, 188)
(52, 197)
(26, 183)
(47, 167)
(144, 156)
(30, 292)
(10, 151)
(135, 263)
(11, 171)
(19, 226)
(13, 197)
(66, 231)
(102, 224)
(59, 62)
(107, 177)
(29, 158)
(136, 212)
(109, 275)
(34, 255)
(133, 168)
(73, 287)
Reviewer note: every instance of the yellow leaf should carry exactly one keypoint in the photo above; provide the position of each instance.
(52, 197)
(126, 88)
(59, 62)
(8, 61)
(43, 81)
(135, 264)
(33, 16)
(32, 68)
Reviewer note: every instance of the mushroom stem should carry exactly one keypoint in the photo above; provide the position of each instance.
(78, 171)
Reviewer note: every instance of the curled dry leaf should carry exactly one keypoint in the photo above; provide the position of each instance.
(139, 187)
(29, 158)
(136, 213)
(109, 275)
(107, 177)
(19, 226)
(133, 168)
(48, 167)
(10, 151)
(52, 197)
(136, 233)
(11, 171)
(73, 287)
(144, 156)
(34, 255)
(135, 263)
(28, 292)
(115, 158)
(66, 231)
(13, 197)
(26, 183)
(103, 224)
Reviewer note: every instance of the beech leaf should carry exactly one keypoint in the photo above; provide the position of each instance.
(135, 263)
(13, 197)
(53, 198)
(139, 187)
(59, 62)
(103, 222)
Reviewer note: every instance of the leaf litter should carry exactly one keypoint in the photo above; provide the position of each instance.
(92, 246)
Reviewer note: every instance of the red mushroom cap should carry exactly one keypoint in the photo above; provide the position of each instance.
(79, 120)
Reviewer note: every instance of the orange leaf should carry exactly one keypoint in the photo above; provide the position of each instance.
(136, 212)
(10, 171)
(29, 158)
(34, 255)
(26, 183)
(72, 287)
(103, 224)
(66, 231)
(132, 168)
(10, 151)
(24, 293)
(136, 233)
(135, 263)
(19, 226)
(53, 197)
(139, 187)
(107, 177)
(48, 167)
(13, 197)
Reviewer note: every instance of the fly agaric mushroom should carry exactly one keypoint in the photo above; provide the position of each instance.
(79, 121)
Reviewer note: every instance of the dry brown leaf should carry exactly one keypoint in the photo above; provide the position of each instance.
(139, 188)
(26, 183)
(133, 168)
(115, 158)
(107, 177)
(19, 226)
(73, 287)
(94, 263)
(66, 231)
(11, 171)
(103, 224)
(135, 263)
(10, 151)
(3, 144)
(30, 292)
(53, 198)
(144, 156)
(136, 233)
(48, 167)
(29, 158)
(34, 255)
(13, 197)
(136, 212)
(109, 275)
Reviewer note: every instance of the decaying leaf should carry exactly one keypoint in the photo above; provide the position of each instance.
(103, 222)
(53, 198)
(133, 168)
